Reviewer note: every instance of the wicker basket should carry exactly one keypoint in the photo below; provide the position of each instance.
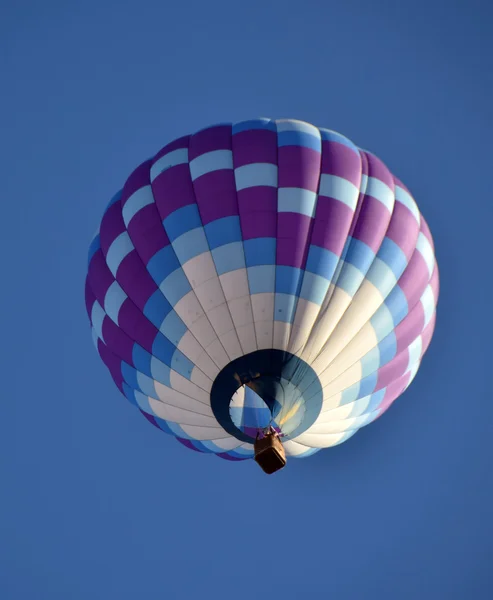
(269, 453)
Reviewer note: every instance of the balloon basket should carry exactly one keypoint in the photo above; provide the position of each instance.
(269, 453)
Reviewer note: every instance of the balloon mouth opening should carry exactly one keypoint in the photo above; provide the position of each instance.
(263, 389)
(253, 410)
(266, 402)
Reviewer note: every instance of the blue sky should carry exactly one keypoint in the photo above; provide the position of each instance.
(95, 502)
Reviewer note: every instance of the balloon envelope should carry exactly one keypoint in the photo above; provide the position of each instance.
(265, 273)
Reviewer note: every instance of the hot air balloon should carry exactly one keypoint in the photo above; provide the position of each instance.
(262, 289)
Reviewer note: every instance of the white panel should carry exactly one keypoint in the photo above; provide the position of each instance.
(241, 311)
(185, 386)
(226, 442)
(380, 191)
(263, 306)
(332, 401)
(179, 415)
(304, 320)
(95, 337)
(356, 349)
(231, 344)
(113, 301)
(196, 353)
(264, 330)
(339, 188)
(404, 198)
(428, 302)
(136, 202)
(235, 284)
(414, 350)
(344, 411)
(424, 247)
(366, 301)
(326, 324)
(282, 332)
(218, 354)
(176, 157)
(118, 250)
(296, 200)
(332, 386)
(382, 276)
(204, 433)
(204, 360)
(362, 307)
(385, 322)
(293, 448)
(297, 340)
(245, 449)
(220, 319)
(296, 125)
(189, 309)
(263, 316)
(199, 269)
(174, 398)
(413, 373)
(201, 380)
(203, 331)
(321, 441)
(264, 174)
(97, 318)
(340, 426)
(247, 336)
(211, 161)
(210, 294)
